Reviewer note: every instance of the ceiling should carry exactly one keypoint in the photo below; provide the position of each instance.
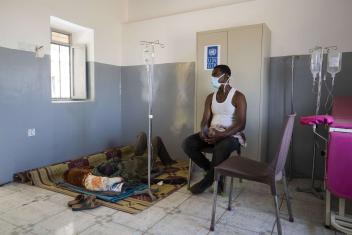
(148, 9)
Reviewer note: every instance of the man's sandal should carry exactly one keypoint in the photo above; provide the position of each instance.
(87, 204)
(78, 199)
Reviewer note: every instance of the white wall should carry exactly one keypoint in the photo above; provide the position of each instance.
(147, 9)
(296, 26)
(27, 22)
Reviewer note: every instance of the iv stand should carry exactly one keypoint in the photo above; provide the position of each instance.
(312, 189)
(149, 52)
(292, 111)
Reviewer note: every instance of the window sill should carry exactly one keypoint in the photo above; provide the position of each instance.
(71, 101)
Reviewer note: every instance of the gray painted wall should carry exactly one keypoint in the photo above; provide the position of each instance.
(71, 130)
(166, 108)
(173, 105)
(63, 131)
(304, 104)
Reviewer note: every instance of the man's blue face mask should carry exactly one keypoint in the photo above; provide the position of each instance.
(215, 81)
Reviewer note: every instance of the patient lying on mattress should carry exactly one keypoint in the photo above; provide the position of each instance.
(113, 174)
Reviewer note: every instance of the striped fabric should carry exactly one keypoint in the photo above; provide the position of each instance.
(47, 178)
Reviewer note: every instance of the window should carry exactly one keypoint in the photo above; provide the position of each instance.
(68, 68)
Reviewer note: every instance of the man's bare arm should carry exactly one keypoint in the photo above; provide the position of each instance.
(207, 115)
(239, 115)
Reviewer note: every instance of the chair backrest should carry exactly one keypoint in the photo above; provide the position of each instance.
(279, 161)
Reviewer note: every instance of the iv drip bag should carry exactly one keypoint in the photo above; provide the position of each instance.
(334, 62)
(316, 62)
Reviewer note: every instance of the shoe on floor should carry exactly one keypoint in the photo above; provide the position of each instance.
(87, 204)
(78, 199)
(201, 186)
(221, 188)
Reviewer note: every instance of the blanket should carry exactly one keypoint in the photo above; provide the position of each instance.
(49, 177)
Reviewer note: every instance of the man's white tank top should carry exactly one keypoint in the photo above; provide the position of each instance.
(223, 113)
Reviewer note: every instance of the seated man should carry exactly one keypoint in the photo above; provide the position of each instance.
(223, 120)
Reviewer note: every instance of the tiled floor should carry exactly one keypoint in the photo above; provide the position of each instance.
(31, 210)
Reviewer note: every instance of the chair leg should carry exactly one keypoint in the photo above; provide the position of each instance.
(288, 199)
(240, 179)
(327, 208)
(212, 226)
(278, 223)
(189, 174)
(230, 194)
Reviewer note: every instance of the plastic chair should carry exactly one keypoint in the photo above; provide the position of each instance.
(245, 168)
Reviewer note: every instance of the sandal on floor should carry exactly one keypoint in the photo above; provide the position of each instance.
(78, 199)
(87, 204)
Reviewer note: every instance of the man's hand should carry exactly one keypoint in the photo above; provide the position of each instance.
(204, 133)
(214, 136)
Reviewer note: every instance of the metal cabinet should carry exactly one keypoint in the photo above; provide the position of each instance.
(247, 52)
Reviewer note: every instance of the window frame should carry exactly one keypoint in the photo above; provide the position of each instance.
(70, 61)
(61, 32)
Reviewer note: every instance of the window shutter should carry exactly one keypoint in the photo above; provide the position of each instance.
(78, 69)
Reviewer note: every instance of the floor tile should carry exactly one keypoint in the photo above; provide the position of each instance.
(30, 210)
(60, 199)
(5, 192)
(29, 229)
(31, 213)
(248, 219)
(172, 201)
(18, 187)
(180, 224)
(110, 229)
(67, 222)
(255, 187)
(141, 221)
(184, 190)
(14, 200)
(222, 229)
(6, 228)
(303, 211)
(201, 208)
(221, 199)
(255, 201)
(101, 211)
(300, 196)
(295, 228)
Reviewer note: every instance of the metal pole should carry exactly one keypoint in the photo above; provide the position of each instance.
(312, 188)
(150, 114)
(313, 161)
(150, 71)
(292, 111)
(292, 80)
(149, 51)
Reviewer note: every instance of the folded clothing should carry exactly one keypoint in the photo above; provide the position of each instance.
(100, 183)
(82, 177)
